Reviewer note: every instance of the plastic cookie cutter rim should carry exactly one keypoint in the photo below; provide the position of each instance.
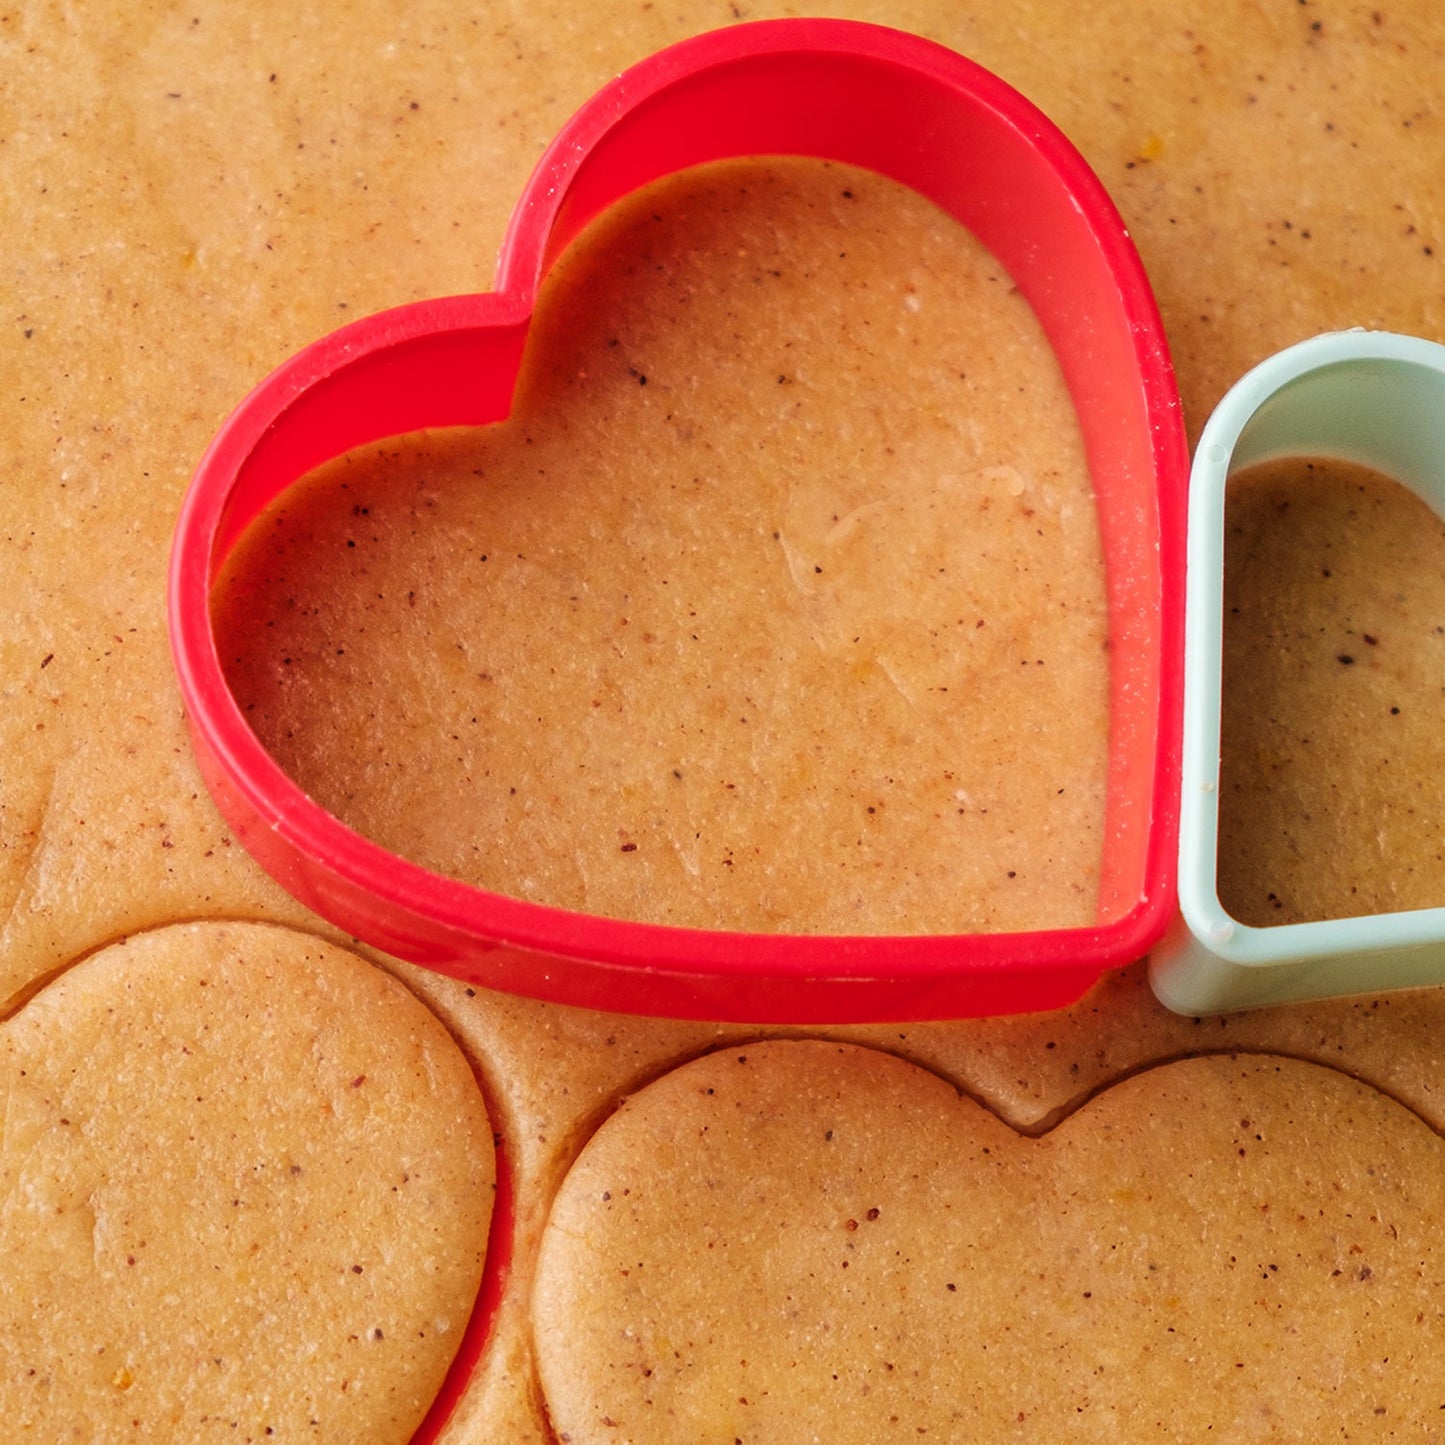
(841, 90)
(1372, 397)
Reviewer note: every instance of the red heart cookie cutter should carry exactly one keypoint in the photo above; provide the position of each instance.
(840, 90)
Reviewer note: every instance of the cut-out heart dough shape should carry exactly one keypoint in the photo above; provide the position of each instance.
(813, 1240)
(245, 1191)
(854, 93)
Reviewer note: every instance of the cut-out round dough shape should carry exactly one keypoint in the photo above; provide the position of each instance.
(245, 1189)
(808, 1232)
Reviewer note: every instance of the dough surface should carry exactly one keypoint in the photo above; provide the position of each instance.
(192, 195)
(777, 604)
(1331, 791)
(245, 1187)
(815, 1241)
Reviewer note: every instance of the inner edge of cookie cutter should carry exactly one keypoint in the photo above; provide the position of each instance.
(1371, 397)
(841, 90)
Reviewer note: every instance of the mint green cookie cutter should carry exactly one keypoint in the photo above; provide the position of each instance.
(1370, 397)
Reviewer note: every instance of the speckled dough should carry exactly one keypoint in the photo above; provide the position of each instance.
(778, 603)
(1332, 794)
(245, 1187)
(814, 1241)
(193, 193)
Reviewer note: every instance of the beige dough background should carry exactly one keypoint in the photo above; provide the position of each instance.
(193, 192)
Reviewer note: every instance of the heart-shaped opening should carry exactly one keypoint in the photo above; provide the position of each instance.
(835, 90)
(776, 604)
